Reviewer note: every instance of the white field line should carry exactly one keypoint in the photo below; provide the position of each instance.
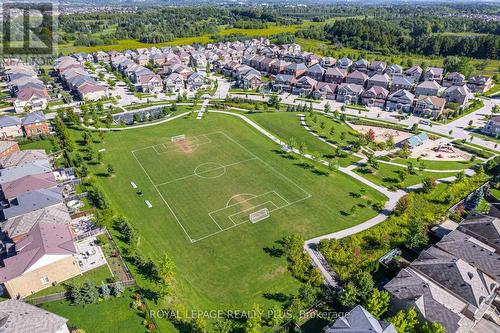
(251, 208)
(201, 173)
(161, 196)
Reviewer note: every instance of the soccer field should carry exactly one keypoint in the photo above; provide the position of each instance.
(212, 183)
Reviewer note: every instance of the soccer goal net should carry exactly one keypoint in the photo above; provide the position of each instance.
(259, 215)
(178, 138)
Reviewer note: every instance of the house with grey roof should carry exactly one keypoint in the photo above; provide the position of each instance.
(34, 168)
(284, 83)
(304, 86)
(454, 79)
(349, 93)
(400, 100)
(296, 69)
(375, 96)
(22, 157)
(18, 226)
(434, 74)
(31, 201)
(344, 63)
(460, 95)
(358, 320)
(412, 289)
(394, 70)
(10, 127)
(402, 82)
(377, 67)
(19, 317)
(479, 84)
(484, 228)
(357, 77)
(361, 65)
(12, 189)
(478, 254)
(379, 80)
(428, 88)
(492, 126)
(316, 72)
(415, 72)
(335, 75)
(44, 256)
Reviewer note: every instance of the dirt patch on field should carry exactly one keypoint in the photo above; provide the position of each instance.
(185, 146)
(382, 134)
(243, 200)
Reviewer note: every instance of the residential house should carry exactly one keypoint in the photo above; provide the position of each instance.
(195, 81)
(457, 94)
(394, 70)
(492, 127)
(265, 64)
(34, 168)
(296, 69)
(7, 148)
(360, 66)
(17, 227)
(21, 157)
(326, 90)
(32, 200)
(377, 67)
(316, 72)
(358, 320)
(415, 72)
(402, 82)
(433, 74)
(278, 67)
(19, 317)
(101, 56)
(344, 63)
(10, 127)
(349, 93)
(430, 106)
(31, 99)
(304, 86)
(151, 83)
(428, 88)
(357, 77)
(174, 82)
(400, 100)
(142, 59)
(379, 80)
(284, 83)
(46, 255)
(35, 124)
(412, 289)
(374, 96)
(251, 80)
(479, 84)
(328, 62)
(12, 189)
(92, 92)
(454, 79)
(335, 75)
(484, 228)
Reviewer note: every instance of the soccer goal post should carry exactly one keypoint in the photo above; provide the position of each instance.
(178, 138)
(259, 215)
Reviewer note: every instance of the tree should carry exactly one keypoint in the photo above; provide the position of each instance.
(428, 184)
(199, 325)
(110, 169)
(458, 64)
(166, 269)
(86, 294)
(105, 291)
(328, 108)
(428, 327)
(254, 320)
(417, 234)
(378, 303)
(404, 321)
(349, 295)
(223, 326)
(364, 283)
(117, 289)
(275, 316)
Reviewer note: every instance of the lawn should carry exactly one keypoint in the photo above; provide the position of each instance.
(98, 275)
(112, 315)
(437, 165)
(232, 269)
(388, 175)
(286, 125)
(496, 193)
(45, 144)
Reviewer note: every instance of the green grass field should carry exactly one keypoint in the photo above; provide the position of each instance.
(112, 315)
(286, 125)
(437, 165)
(388, 175)
(231, 269)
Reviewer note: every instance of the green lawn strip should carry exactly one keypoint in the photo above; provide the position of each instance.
(472, 148)
(98, 275)
(45, 144)
(476, 105)
(388, 175)
(493, 91)
(286, 125)
(111, 315)
(437, 165)
(230, 270)
(477, 134)
(495, 192)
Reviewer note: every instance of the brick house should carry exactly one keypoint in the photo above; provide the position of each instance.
(34, 124)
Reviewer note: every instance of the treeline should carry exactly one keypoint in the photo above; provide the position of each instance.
(399, 36)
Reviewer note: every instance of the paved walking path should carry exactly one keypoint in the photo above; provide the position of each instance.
(112, 129)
